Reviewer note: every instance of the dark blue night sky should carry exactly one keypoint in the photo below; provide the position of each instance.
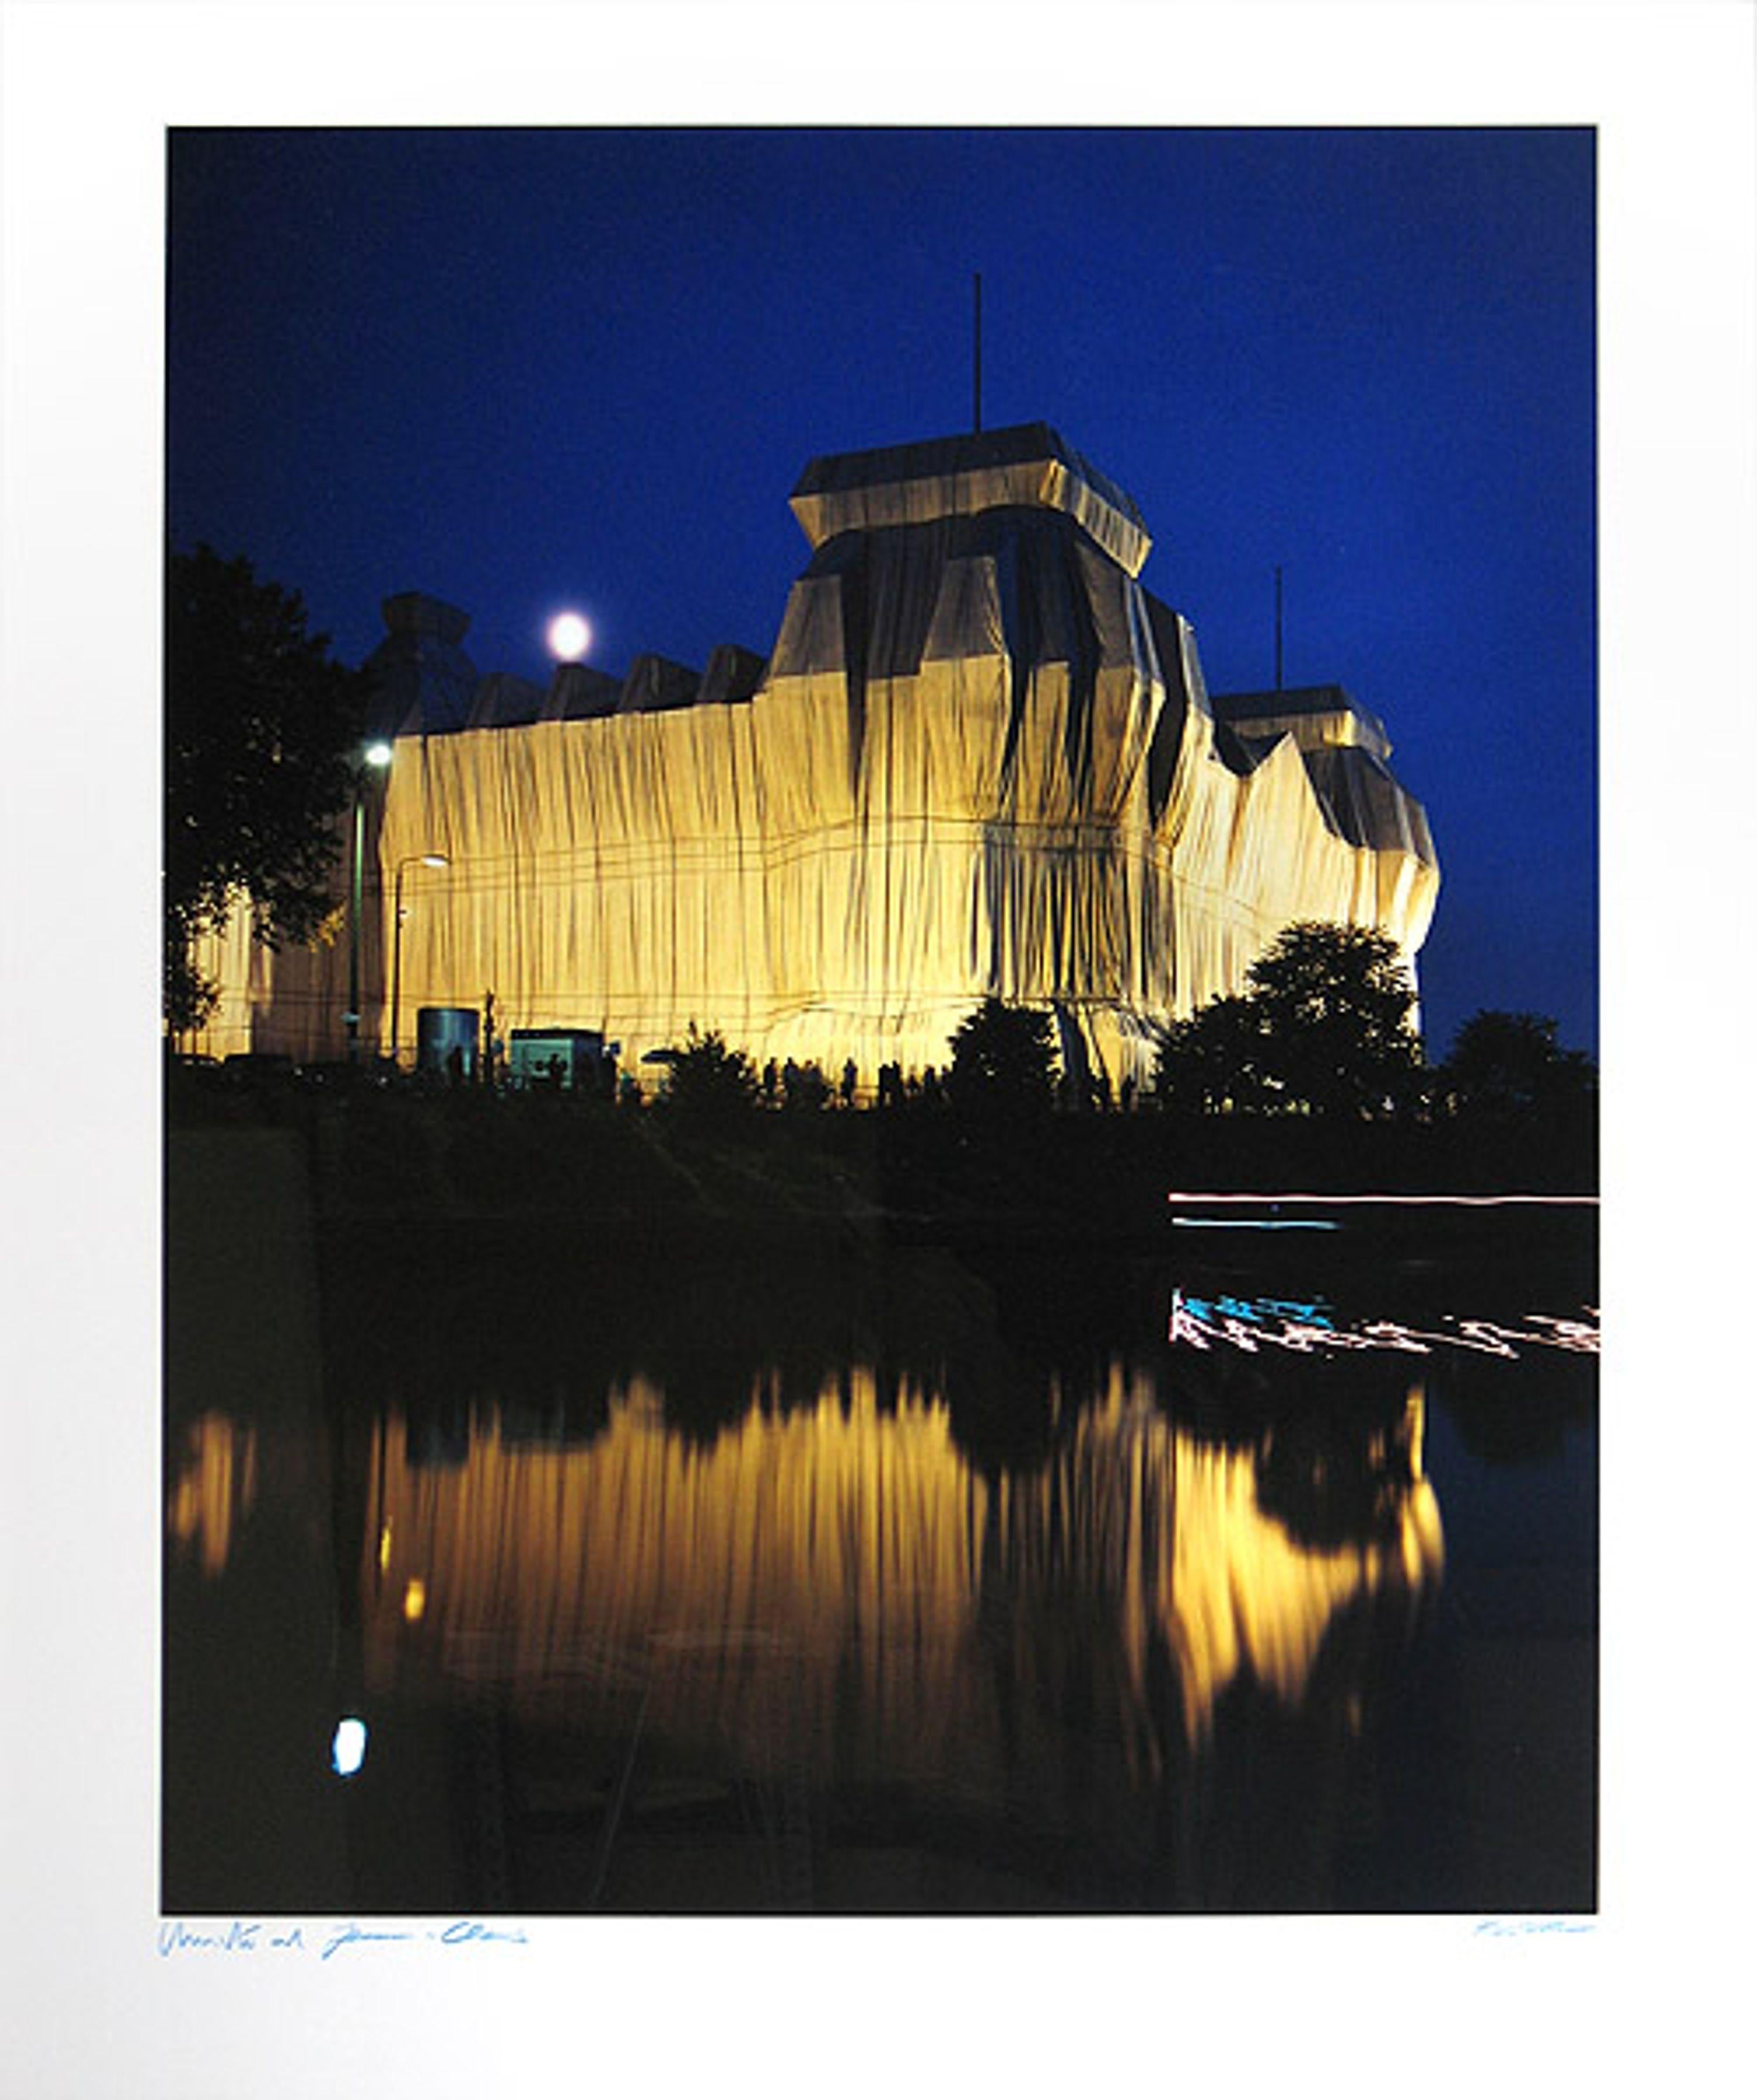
(527, 369)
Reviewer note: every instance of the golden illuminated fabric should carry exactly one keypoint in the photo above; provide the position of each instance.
(980, 760)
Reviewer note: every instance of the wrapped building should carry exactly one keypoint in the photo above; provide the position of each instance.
(979, 759)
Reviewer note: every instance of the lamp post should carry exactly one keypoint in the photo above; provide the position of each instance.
(414, 860)
(376, 756)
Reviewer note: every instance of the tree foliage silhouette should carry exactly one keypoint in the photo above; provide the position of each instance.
(707, 1082)
(261, 728)
(1003, 1060)
(1509, 1067)
(1323, 1026)
(1213, 1063)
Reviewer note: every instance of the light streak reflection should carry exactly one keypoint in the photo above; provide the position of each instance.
(1303, 1329)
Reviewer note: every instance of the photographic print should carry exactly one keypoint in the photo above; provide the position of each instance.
(822, 837)
(881, 1003)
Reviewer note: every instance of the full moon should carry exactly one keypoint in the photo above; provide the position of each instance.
(569, 637)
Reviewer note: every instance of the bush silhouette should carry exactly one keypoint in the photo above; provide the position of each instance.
(1003, 1061)
(707, 1082)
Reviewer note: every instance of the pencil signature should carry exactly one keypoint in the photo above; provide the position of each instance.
(254, 1937)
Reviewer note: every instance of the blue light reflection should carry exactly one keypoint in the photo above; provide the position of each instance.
(347, 1749)
(1304, 1327)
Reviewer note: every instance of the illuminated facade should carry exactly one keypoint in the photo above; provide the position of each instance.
(979, 759)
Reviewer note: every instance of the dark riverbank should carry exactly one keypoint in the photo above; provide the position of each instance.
(551, 1163)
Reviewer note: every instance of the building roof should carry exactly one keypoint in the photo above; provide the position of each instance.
(1312, 714)
(424, 680)
(1027, 464)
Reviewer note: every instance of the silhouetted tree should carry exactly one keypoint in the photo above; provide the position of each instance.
(708, 1082)
(261, 727)
(1334, 1002)
(1004, 1060)
(804, 1088)
(1213, 1063)
(1323, 1025)
(1509, 1066)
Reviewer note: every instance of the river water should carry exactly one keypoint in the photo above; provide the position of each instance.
(1240, 1573)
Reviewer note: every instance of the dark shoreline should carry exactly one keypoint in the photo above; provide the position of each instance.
(392, 1160)
(451, 1233)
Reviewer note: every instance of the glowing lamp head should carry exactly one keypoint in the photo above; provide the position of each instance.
(569, 637)
(378, 754)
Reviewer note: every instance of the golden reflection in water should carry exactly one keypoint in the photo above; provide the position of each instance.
(843, 1558)
(214, 1491)
(1171, 1532)
(1244, 1593)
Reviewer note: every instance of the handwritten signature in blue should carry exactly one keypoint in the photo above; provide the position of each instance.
(1522, 1928)
(255, 1938)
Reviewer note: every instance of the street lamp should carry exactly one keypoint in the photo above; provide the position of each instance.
(376, 756)
(414, 860)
